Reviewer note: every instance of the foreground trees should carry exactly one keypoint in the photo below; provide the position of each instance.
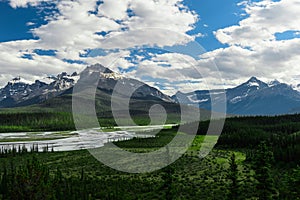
(263, 164)
(187, 178)
(255, 158)
(233, 177)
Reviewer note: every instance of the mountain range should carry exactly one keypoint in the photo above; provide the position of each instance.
(253, 97)
(19, 92)
(54, 94)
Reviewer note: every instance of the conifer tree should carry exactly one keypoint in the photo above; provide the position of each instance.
(265, 183)
(233, 177)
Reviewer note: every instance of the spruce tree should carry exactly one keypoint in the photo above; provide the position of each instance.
(233, 177)
(265, 183)
(4, 183)
(167, 176)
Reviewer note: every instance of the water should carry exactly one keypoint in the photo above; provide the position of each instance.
(75, 140)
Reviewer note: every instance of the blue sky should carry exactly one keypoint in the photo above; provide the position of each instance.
(240, 38)
(17, 20)
(13, 23)
(214, 17)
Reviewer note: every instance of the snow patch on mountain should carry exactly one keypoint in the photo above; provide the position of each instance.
(253, 84)
(193, 98)
(19, 80)
(20, 93)
(74, 78)
(253, 97)
(273, 83)
(113, 75)
(19, 90)
(296, 87)
(238, 98)
(47, 80)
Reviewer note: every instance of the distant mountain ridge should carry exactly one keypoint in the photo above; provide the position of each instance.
(57, 96)
(253, 97)
(19, 92)
(108, 80)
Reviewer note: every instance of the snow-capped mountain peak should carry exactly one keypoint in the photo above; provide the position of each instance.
(251, 84)
(253, 97)
(254, 82)
(273, 83)
(115, 76)
(47, 80)
(253, 79)
(19, 90)
(62, 77)
(98, 68)
(296, 87)
(13, 95)
(19, 80)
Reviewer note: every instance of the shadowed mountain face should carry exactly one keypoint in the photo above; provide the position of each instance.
(55, 94)
(18, 92)
(110, 82)
(253, 97)
(116, 89)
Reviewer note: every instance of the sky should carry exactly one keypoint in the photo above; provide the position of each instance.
(173, 45)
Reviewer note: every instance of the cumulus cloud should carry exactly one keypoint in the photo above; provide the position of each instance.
(173, 71)
(253, 47)
(80, 25)
(278, 60)
(113, 10)
(25, 3)
(265, 18)
(79, 21)
(13, 63)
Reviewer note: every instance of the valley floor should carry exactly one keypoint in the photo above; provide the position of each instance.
(78, 175)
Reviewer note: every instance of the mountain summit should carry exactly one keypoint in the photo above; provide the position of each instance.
(254, 82)
(254, 97)
(18, 92)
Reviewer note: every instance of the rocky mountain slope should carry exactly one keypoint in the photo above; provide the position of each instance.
(253, 97)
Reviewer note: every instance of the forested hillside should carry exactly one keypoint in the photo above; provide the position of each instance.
(255, 158)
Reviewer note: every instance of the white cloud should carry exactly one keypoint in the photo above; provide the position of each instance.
(74, 27)
(199, 35)
(165, 14)
(78, 22)
(30, 24)
(13, 64)
(175, 71)
(25, 3)
(182, 67)
(279, 60)
(113, 10)
(265, 19)
(253, 49)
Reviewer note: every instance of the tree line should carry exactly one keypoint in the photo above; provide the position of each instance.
(255, 179)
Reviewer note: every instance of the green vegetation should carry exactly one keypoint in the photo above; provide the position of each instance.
(280, 133)
(255, 158)
(40, 121)
(148, 144)
(58, 121)
(233, 177)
